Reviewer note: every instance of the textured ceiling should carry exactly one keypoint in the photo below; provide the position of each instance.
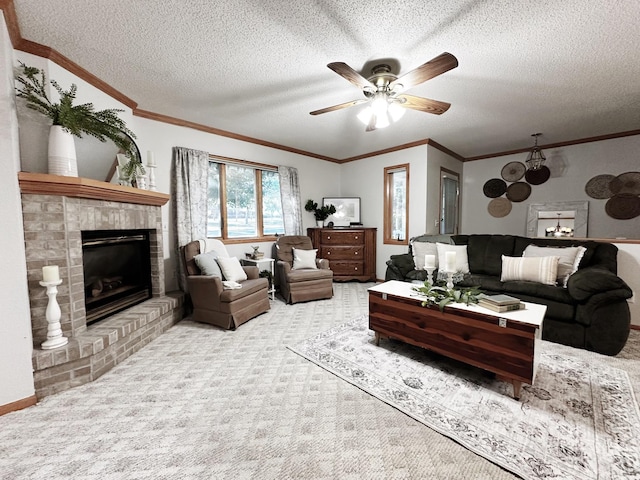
(568, 69)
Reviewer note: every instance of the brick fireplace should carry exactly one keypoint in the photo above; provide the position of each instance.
(56, 212)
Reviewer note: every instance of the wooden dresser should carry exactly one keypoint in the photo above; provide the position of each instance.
(351, 252)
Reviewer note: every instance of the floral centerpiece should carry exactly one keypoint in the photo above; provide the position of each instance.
(442, 296)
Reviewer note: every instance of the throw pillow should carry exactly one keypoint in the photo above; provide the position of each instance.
(420, 249)
(534, 269)
(304, 258)
(207, 264)
(570, 258)
(462, 260)
(231, 269)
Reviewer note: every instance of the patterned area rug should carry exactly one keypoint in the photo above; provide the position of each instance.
(579, 421)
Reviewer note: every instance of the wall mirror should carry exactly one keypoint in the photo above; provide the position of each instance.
(558, 219)
(449, 201)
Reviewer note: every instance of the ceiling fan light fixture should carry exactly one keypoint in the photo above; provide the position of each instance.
(396, 111)
(535, 160)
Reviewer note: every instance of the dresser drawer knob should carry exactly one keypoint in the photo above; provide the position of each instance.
(328, 237)
(356, 253)
(356, 237)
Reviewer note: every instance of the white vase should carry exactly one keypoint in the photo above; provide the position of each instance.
(320, 223)
(62, 153)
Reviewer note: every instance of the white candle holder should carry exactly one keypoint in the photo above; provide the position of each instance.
(53, 314)
(152, 177)
(449, 280)
(430, 271)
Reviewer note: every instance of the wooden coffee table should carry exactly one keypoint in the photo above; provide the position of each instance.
(502, 343)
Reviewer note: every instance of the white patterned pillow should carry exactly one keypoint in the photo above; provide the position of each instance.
(231, 269)
(420, 249)
(534, 269)
(304, 258)
(570, 258)
(462, 260)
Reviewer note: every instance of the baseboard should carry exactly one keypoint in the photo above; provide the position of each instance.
(635, 327)
(18, 405)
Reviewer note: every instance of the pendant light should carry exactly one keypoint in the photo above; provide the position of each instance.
(536, 158)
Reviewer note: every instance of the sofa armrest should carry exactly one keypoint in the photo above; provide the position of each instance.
(252, 272)
(205, 290)
(322, 263)
(399, 266)
(590, 281)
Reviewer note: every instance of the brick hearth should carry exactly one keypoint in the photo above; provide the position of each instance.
(52, 226)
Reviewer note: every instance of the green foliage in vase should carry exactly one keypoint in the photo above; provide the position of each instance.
(442, 296)
(320, 213)
(75, 119)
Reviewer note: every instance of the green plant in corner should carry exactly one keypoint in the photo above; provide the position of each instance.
(320, 213)
(76, 119)
(442, 296)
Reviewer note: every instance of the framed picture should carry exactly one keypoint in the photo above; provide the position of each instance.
(347, 210)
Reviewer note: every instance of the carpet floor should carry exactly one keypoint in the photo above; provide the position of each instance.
(203, 403)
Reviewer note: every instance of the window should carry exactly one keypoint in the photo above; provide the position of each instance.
(396, 204)
(244, 200)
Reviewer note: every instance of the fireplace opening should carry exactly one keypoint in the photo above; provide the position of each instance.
(117, 271)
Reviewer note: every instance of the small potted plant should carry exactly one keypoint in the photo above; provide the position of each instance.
(70, 120)
(320, 213)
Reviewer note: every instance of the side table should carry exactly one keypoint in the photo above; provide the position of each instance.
(264, 264)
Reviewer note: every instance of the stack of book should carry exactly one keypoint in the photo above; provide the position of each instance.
(500, 303)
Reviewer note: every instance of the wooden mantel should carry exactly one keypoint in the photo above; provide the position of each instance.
(45, 184)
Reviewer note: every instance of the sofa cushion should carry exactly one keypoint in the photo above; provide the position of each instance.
(488, 283)
(570, 258)
(420, 249)
(304, 258)
(207, 264)
(534, 269)
(485, 252)
(231, 269)
(462, 262)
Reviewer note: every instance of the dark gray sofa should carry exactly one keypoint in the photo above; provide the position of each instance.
(590, 313)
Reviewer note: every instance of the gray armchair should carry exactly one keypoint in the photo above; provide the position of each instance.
(301, 285)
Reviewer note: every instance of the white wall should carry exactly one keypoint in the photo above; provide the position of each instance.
(628, 268)
(365, 179)
(16, 374)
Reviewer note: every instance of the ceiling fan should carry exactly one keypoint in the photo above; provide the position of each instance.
(384, 91)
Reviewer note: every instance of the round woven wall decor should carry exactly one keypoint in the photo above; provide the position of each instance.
(538, 177)
(494, 188)
(599, 186)
(513, 171)
(626, 183)
(623, 206)
(518, 192)
(499, 207)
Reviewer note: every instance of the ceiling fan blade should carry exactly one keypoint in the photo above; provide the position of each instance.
(424, 104)
(350, 74)
(339, 107)
(437, 66)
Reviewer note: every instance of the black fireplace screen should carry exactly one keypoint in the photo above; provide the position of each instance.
(117, 271)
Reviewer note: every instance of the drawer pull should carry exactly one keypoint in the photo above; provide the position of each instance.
(328, 253)
(356, 237)
(356, 253)
(328, 237)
